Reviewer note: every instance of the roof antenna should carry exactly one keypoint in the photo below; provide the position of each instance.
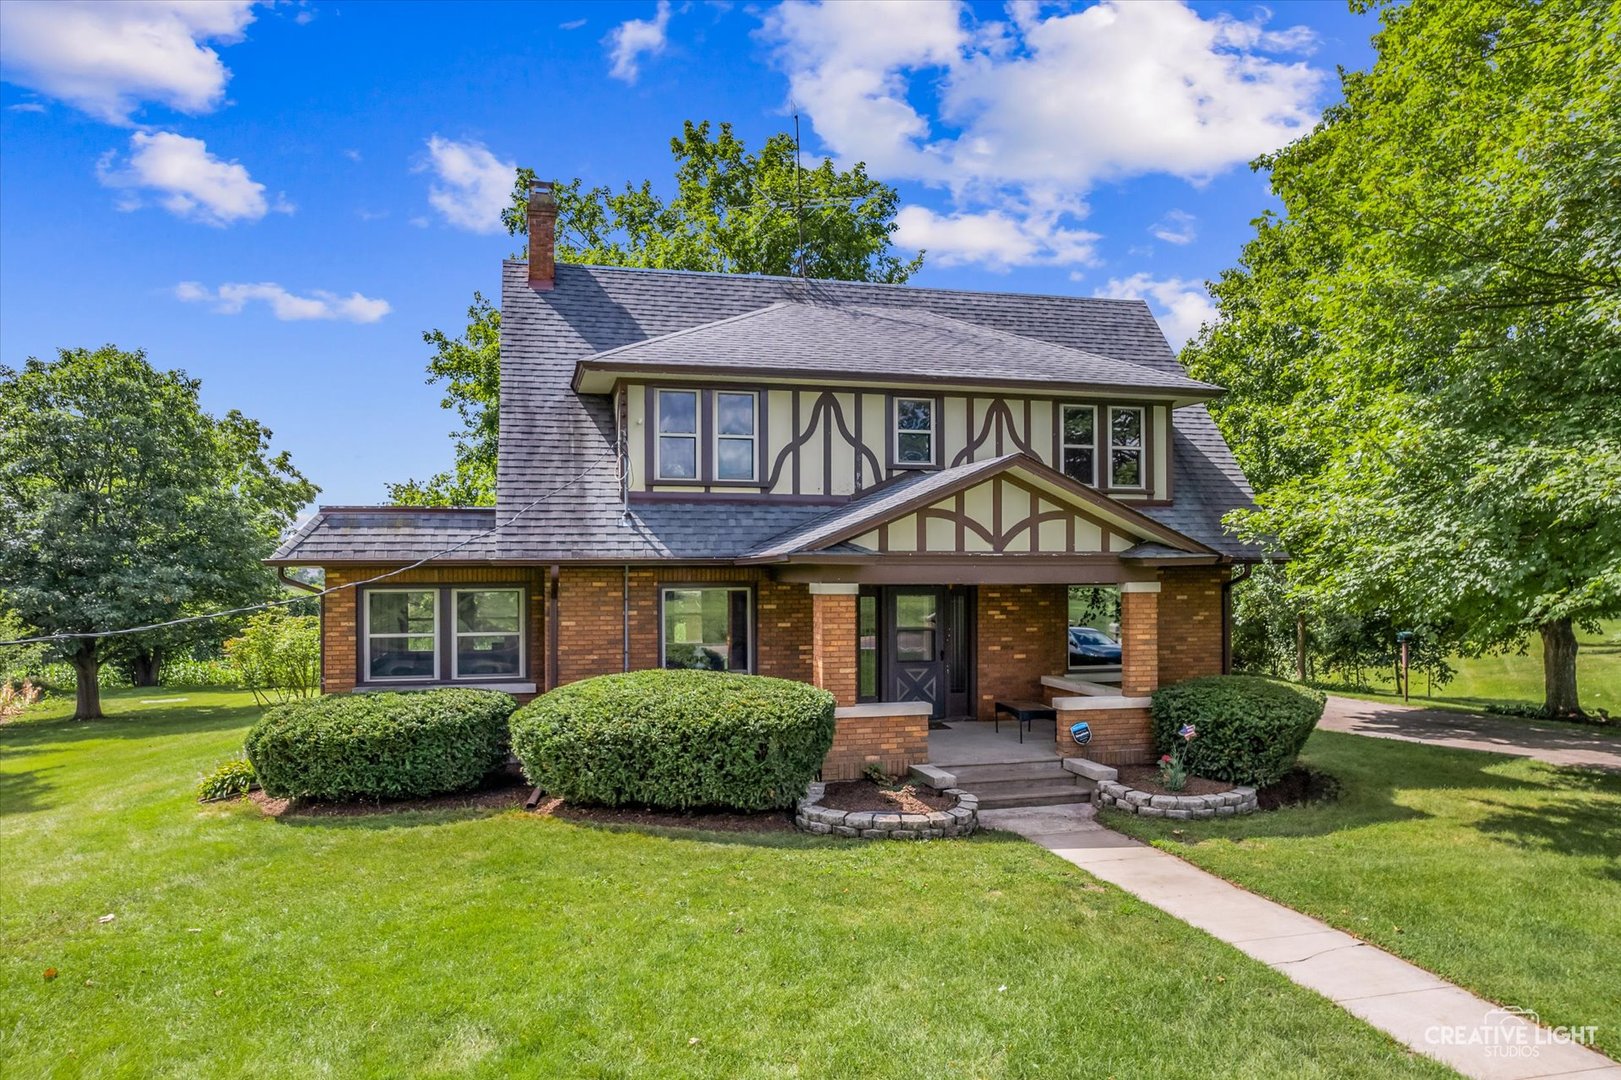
(799, 206)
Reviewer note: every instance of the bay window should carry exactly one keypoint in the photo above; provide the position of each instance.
(1126, 448)
(708, 628)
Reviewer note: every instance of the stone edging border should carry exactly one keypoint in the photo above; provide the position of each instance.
(1240, 800)
(960, 820)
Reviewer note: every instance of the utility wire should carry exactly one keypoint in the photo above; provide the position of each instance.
(499, 525)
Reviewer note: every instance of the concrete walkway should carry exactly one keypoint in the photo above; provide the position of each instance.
(1425, 1013)
(1553, 743)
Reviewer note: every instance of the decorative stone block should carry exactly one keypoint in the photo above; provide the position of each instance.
(959, 820)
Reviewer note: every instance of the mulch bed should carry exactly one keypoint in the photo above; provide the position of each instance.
(866, 795)
(504, 796)
(1298, 787)
(1146, 778)
(717, 821)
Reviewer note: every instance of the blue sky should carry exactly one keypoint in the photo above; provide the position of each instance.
(280, 199)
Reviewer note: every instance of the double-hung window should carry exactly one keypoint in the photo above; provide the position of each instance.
(678, 434)
(437, 632)
(707, 628)
(402, 634)
(1078, 438)
(1126, 447)
(736, 419)
(914, 431)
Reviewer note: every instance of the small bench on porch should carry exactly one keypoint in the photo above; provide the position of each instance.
(1024, 713)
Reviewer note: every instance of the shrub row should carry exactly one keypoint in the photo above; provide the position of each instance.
(676, 740)
(1249, 729)
(380, 746)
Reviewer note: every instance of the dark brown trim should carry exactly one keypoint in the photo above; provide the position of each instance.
(737, 496)
(1016, 569)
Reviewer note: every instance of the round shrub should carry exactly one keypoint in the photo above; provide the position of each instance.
(676, 740)
(1249, 730)
(380, 746)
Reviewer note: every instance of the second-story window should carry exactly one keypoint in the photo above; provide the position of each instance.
(1078, 452)
(735, 425)
(678, 434)
(914, 431)
(1125, 448)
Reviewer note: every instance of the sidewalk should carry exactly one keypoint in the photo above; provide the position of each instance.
(1553, 743)
(1425, 1013)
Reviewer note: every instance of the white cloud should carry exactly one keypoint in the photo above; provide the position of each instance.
(628, 41)
(997, 239)
(572, 24)
(26, 106)
(1031, 113)
(1181, 306)
(186, 180)
(109, 58)
(1176, 227)
(472, 185)
(231, 299)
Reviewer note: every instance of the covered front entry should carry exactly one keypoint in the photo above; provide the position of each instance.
(924, 645)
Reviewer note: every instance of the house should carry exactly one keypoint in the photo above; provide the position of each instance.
(883, 490)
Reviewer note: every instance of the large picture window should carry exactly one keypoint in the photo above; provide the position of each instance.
(1125, 448)
(489, 633)
(914, 431)
(402, 634)
(442, 633)
(1079, 443)
(735, 426)
(678, 434)
(707, 628)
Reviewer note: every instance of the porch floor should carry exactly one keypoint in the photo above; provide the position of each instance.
(977, 742)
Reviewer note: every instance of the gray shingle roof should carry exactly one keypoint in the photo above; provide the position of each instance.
(818, 338)
(371, 534)
(550, 434)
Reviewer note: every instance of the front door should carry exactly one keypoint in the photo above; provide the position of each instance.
(930, 646)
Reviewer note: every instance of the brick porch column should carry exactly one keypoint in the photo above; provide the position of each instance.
(833, 640)
(1139, 637)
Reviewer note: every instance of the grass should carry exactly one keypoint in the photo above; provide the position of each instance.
(498, 943)
(1483, 682)
(1500, 874)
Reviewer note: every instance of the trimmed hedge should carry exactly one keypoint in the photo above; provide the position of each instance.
(380, 746)
(676, 740)
(1250, 730)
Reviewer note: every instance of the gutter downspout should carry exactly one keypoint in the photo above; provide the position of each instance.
(1244, 571)
(281, 576)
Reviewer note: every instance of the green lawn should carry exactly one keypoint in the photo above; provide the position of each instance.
(500, 943)
(1516, 678)
(1501, 874)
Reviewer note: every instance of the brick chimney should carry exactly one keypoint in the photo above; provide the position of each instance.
(542, 236)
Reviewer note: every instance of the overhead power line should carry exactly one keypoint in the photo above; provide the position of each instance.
(268, 604)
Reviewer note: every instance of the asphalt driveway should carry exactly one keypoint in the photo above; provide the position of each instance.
(1557, 744)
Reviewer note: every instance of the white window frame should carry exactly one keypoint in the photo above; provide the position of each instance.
(932, 431)
(696, 435)
(754, 440)
(1141, 447)
(456, 636)
(366, 636)
(752, 619)
(1064, 443)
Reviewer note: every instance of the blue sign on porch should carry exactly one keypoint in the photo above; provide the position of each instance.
(1081, 733)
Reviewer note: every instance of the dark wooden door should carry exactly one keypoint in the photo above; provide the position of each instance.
(929, 651)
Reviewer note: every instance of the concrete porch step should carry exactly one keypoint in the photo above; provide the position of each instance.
(1058, 782)
(1045, 793)
(970, 775)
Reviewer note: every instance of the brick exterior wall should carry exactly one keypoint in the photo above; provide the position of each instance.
(894, 742)
(1021, 637)
(1119, 736)
(340, 619)
(833, 646)
(1139, 642)
(1190, 617)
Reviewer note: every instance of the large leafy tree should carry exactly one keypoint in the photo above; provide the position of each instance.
(733, 212)
(122, 503)
(1424, 348)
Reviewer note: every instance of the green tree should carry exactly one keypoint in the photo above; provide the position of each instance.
(733, 212)
(122, 503)
(1424, 348)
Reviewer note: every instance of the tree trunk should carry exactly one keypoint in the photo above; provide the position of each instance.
(1300, 647)
(1559, 668)
(87, 685)
(145, 667)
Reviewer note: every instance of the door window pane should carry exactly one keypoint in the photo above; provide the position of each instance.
(867, 645)
(916, 617)
(707, 629)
